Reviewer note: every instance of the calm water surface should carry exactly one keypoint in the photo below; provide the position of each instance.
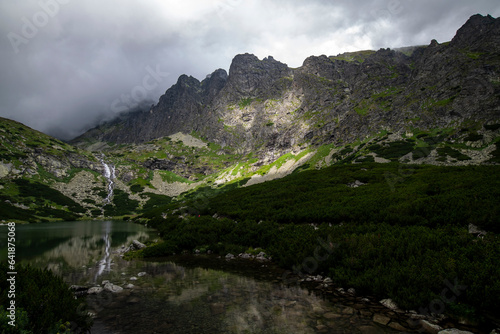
(183, 294)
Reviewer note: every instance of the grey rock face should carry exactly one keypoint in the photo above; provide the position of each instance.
(251, 77)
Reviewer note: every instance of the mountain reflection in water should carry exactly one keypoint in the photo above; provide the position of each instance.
(183, 294)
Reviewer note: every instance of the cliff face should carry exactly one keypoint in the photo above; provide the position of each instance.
(266, 107)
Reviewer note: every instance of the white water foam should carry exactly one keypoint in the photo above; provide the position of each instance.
(109, 174)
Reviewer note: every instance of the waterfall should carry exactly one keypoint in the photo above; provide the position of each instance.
(109, 174)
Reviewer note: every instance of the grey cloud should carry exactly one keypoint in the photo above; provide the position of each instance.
(84, 56)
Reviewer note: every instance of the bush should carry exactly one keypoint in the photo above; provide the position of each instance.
(393, 150)
(43, 192)
(43, 300)
(156, 200)
(443, 152)
(122, 204)
(136, 188)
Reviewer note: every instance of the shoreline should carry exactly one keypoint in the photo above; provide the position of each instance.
(383, 312)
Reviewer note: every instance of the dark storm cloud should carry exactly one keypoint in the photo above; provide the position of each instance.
(66, 64)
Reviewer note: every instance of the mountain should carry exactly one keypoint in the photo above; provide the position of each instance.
(266, 107)
(435, 104)
(34, 171)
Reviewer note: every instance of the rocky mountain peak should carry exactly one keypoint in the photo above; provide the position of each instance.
(212, 84)
(251, 77)
(476, 31)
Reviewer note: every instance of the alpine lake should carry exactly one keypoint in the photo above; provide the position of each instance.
(179, 294)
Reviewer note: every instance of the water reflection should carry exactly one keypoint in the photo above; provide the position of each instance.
(105, 263)
(173, 298)
(186, 294)
(68, 248)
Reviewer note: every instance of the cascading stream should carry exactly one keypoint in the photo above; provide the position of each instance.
(109, 174)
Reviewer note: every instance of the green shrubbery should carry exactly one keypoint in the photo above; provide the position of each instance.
(40, 200)
(44, 304)
(410, 264)
(402, 235)
(43, 192)
(136, 188)
(393, 150)
(122, 204)
(444, 151)
(396, 194)
(155, 200)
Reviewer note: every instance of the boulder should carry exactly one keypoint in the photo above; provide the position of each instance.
(389, 303)
(429, 327)
(94, 290)
(397, 326)
(356, 184)
(381, 319)
(473, 229)
(78, 288)
(137, 245)
(454, 331)
(112, 288)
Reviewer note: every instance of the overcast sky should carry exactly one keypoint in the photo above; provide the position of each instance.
(66, 64)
